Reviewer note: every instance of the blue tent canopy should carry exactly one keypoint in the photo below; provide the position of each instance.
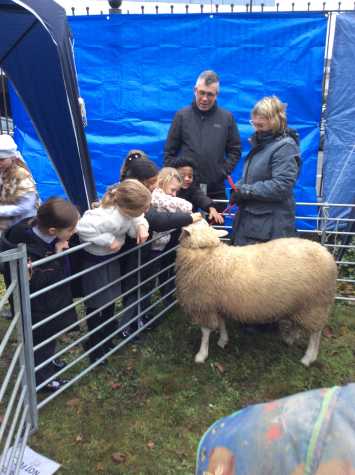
(36, 54)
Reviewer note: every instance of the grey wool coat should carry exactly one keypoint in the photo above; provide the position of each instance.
(265, 191)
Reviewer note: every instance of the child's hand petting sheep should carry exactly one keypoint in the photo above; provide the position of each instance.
(196, 217)
(214, 216)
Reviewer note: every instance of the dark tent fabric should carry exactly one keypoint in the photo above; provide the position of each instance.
(36, 54)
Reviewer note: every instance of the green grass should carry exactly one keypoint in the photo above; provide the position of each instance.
(152, 404)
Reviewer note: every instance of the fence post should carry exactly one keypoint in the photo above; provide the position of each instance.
(139, 283)
(325, 214)
(23, 302)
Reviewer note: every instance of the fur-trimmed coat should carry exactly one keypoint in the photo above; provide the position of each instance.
(163, 202)
(18, 195)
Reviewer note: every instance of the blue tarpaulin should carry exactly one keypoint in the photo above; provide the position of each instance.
(135, 71)
(339, 149)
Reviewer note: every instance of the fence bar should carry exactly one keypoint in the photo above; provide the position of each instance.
(16, 445)
(22, 301)
(10, 371)
(11, 403)
(8, 333)
(13, 426)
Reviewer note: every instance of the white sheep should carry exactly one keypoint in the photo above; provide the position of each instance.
(285, 278)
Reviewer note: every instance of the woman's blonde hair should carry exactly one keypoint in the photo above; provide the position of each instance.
(129, 194)
(167, 174)
(274, 110)
(132, 155)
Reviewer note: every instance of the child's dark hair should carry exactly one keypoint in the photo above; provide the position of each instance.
(56, 213)
(141, 169)
(182, 161)
(131, 157)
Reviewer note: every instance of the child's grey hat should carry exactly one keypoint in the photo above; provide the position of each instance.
(8, 147)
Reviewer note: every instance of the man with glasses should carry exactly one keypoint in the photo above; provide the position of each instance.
(209, 135)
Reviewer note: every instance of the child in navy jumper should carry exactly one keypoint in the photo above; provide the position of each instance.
(48, 234)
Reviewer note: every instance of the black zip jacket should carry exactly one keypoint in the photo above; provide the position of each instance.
(210, 138)
(196, 197)
(50, 302)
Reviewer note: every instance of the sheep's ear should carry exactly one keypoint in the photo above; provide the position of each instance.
(185, 232)
(221, 232)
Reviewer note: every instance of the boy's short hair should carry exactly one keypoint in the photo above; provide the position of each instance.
(141, 169)
(57, 213)
(182, 161)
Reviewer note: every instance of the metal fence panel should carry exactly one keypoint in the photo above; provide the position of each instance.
(17, 390)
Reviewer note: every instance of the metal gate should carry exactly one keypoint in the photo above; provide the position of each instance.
(18, 403)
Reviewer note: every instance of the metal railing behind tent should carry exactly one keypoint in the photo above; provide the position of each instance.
(214, 6)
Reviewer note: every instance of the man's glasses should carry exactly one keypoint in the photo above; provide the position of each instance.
(203, 93)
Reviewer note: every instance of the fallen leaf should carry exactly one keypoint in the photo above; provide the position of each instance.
(119, 457)
(116, 385)
(150, 444)
(319, 365)
(73, 402)
(219, 367)
(328, 332)
(99, 467)
(79, 438)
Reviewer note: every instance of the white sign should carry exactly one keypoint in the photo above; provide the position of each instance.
(34, 464)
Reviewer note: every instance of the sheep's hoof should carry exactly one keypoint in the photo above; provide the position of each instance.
(306, 361)
(222, 343)
(200, 358)
(288, 339)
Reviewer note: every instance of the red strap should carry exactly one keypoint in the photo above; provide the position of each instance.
(231, 182)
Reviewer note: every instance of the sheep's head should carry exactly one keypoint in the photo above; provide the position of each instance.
(200, 235)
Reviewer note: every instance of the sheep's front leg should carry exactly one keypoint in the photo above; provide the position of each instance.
(223, 335)
(313, 349)
(202, 355)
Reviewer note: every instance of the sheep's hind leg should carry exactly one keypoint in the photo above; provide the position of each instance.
(288, 331)
(223, 335)
(312, 350)
(202, 355)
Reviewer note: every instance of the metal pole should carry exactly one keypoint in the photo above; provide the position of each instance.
(139, 282)
(23, 303)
